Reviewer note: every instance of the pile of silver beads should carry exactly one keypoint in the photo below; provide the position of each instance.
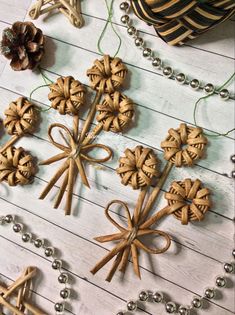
(157, 63)
(49, 252)
(171, 307)
(233, 161)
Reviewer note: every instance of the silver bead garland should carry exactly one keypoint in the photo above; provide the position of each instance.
(167, 71)
(49, 251)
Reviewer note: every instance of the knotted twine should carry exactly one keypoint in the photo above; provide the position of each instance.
(20, 290)
(187, 199)
(70, 8)
(176, 22)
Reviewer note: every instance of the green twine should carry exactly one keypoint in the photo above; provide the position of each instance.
(206, 97)
(109, 20)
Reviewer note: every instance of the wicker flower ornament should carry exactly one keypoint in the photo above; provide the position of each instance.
(187, 200)
(17, 167)
(23, 44)
(114, 114)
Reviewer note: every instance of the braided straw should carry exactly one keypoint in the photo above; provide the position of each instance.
(67, 95)
(115, 112)
(177, 21)
(138, 167)
(188, 136)
(70, 8)
(16, 166)
(107, 74)
(21, 117)
(188, 201)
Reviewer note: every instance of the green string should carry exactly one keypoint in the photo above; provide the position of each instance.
(206, 97)
(109, 20)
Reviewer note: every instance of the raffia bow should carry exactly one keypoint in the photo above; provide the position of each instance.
(20, 289)
(75, 152)
(129, 238)
(70, 8)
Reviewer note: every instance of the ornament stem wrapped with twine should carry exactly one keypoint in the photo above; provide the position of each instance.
(20, 289)
(187, 199)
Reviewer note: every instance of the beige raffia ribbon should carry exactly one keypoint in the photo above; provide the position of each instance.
(129, 239)
(74, 153)
(20, 289)
(70, 8)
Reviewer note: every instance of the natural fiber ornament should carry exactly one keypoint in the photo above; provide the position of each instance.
(176, 23)
(16, 167)
(21, 119)
(67, 95)
(23, 44)
(138, 167)
(21, 291)
(70, 8)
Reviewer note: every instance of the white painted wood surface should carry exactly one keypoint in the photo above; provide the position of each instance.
(197, 250)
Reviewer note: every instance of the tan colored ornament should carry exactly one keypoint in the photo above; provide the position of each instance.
(23, 44)
(70, 8)
(20, 290)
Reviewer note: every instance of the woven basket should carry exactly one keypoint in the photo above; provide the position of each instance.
(177, 21)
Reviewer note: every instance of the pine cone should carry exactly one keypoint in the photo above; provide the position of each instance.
(23, 44)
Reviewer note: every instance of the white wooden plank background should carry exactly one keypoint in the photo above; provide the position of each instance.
(197, 251)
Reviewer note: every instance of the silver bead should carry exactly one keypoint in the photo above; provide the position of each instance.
(38, 243)
(233, 158)
(139, 42)
(233, 174)
(197, 302)
(65, 293)
(209, 293)
(195, 84)
(124, 6)
(131, 306)
(49, 251)
(17, 228)
(233, 253)
(157, 62)
(170, 307)
(209, 88)
(125, 19)
(120, 313)
(131, 30)
(220, 282)
(180, 78)
(224, 94)
(26, 237)
(8, 218)
(143, 296)
(59, 307)
(63, 278)
(167, 72)
(56, 264)
(183, 310)
(147, 52)
(157, 297)
(228, 268)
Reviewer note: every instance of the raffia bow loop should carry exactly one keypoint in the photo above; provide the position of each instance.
(176, 22)
(138, 167)
(21, 117)
(188, 200)
(116, 112)
(190, 137)
(67, 95)
(107, 74)
(70, 8)
(16, 167)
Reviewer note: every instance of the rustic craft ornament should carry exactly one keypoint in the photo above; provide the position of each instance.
(114, 114)
(17, 167)
(176, 23)
(21, 291)
(23, 44)
(187, 199)
(70, 8)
